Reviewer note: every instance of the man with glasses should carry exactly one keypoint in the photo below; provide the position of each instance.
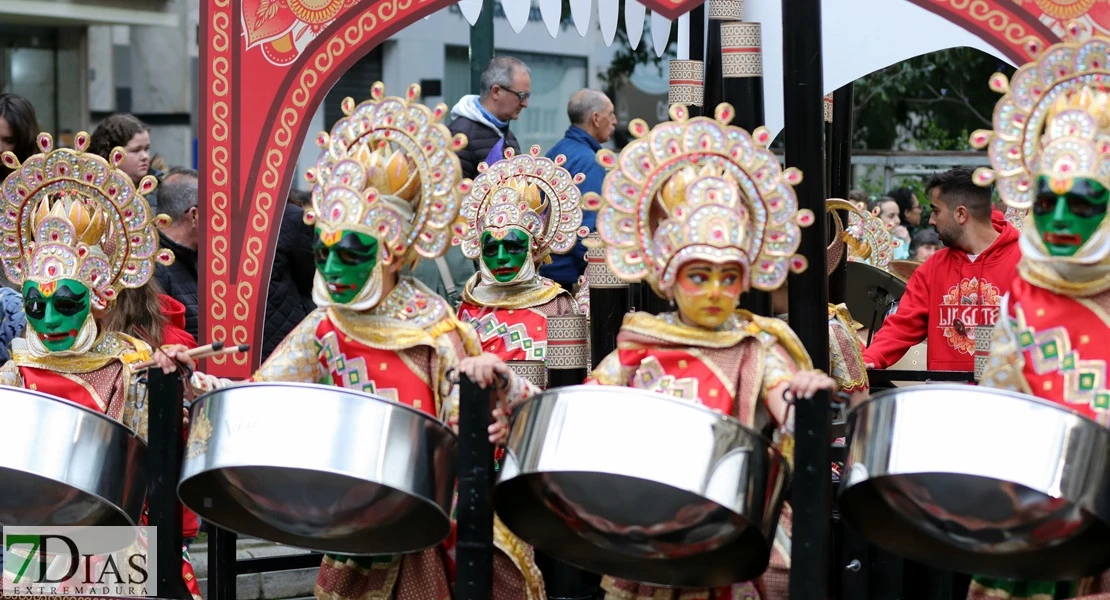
(485, 119)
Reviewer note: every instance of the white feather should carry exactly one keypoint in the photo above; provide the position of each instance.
(582, 11)
(516, 13)
(607, 12)
(660, 32)
(552, 12)
(471, 10)
(634, 22)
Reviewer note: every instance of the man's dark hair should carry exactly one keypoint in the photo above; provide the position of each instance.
(116, 130)
(957, 187)
(924, 237)
(20, 115)
(177, 193)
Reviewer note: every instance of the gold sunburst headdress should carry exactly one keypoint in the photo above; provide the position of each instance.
(1053, 120)
(389, 169)
(69, 214)
(698, 189)
(866, 236)
(529, 191)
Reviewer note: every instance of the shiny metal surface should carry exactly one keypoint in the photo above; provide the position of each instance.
(980, 481)
(641, 486)
(66, 465)
(320, 467)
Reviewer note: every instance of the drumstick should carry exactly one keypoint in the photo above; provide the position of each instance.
(194, 353)
(221, 351)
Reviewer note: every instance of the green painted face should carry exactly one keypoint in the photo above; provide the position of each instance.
(56, 311)
(505, 256)
(345, 259)
(1067, 212)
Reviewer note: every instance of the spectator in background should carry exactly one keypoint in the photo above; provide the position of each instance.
(19, 127)
(909, 209)
(887, 210)
(485, 118)
(12, 320)
(299, 198)
(289, 298)
(858, 198)
(592, 122)
(182, 236)
(127, 132)
(925, 243)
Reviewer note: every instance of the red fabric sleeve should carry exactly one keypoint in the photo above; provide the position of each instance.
(907, 327)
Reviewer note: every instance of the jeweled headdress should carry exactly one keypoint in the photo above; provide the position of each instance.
(69, 214)
(698, 189)
(389, 169)
(529, 191)
(866, 236)
(1053, 120)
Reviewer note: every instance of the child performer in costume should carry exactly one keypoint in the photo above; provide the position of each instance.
(387, 190)
(76, 233)
(703, 212)
(1051, 154)
(520, 211)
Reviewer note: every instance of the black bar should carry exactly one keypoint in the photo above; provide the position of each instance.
(714, 81)
(474, 550)
(221, 563)
(840, 184)
(887, 376)
(278, 563)
(564, 377)
(164, 431)
(811, 495)
(697, 33)
(481, 45)
(607, 309)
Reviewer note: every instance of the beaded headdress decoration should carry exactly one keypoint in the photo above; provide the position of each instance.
(1053, 120)
(69, 214)
(389, 169)
(529, 191)
(698, 189)
(866, 236)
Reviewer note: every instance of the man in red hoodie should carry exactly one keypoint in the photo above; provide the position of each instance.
(959, 286)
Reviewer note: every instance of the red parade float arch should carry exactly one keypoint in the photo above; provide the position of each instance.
(261, 84)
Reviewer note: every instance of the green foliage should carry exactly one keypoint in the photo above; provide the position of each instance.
(928, 98)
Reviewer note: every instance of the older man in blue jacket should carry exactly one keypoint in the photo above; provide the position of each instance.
(592, 123)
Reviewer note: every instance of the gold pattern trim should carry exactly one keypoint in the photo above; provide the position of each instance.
(522, 556)
(996, 20)
(523, 295)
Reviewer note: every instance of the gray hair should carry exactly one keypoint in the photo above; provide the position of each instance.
(178, 193)
(583, 104)
(500, 72)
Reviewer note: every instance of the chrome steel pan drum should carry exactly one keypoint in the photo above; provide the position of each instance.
(980, 481)
(66, 465)
(641, 486)
(320, 467)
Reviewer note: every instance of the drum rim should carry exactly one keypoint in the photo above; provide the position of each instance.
(325, 388)
(630, 391)
(58, 400)
(949, 387)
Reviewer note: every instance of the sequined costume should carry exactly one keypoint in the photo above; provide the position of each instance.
(531, 322)
(1052, 338)
(388, 170)
(688, 191)
(73, 216)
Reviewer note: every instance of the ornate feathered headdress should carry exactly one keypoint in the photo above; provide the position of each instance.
(69, 214)
(1053, 120)
(698, 189)
(389, 169)
(528, 191)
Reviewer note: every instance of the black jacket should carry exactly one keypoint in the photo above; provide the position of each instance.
(480, 140)
(179, 280)
(290, 295)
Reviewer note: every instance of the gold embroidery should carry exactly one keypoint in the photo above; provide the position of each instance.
(527, 294)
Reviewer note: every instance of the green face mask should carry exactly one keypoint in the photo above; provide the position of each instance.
(56, 311)
(345, 260)
(505, 257)
(1067, 213)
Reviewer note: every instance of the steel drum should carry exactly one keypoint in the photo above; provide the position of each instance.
(66, 465)
(641, 486)
(320, 467)
(980, 481)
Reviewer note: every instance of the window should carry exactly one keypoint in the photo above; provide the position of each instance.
(554, 79)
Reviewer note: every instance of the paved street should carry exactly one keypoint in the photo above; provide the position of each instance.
(258, 586)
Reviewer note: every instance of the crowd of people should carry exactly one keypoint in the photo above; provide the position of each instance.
(386, 286)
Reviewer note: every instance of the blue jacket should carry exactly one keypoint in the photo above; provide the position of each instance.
(580, 148)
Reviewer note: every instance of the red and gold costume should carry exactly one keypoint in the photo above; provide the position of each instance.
(1052, 337)
(388, 170)
(531, 322)
(701, 190)
(72, 215)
